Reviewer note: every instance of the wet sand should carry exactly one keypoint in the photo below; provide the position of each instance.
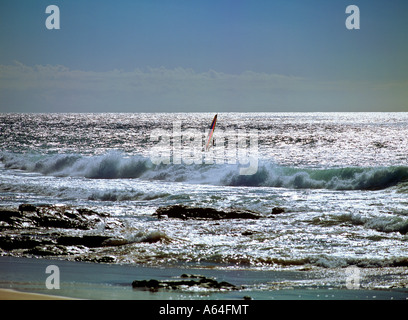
(9, 294)
(25, 278)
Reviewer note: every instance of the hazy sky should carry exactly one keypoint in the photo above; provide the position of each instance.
(207, 55)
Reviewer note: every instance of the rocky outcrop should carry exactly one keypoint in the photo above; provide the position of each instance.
(186, 212)
(277, 210)
(54, 230)
(185, 281)
(30, 216)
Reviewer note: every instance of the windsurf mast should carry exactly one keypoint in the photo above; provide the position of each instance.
(210, 134)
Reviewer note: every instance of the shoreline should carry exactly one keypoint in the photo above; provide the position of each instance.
(24, 278)
(11, 294)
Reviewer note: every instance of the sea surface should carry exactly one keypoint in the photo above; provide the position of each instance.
(341, 178)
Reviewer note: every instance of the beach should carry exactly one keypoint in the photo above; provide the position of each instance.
(8, 294)
(81, 280)
(283, 207)
(201, 157)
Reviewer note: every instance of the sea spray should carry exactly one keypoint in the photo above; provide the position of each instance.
(118, 165)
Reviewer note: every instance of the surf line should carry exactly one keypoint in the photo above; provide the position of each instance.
(188, 146)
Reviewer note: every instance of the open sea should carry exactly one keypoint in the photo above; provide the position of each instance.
(341, 179)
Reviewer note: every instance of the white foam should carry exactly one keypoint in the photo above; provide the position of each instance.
(118, 165)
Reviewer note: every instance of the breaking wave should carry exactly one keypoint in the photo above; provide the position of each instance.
(335, 179)
(113, 165)
(117, 165)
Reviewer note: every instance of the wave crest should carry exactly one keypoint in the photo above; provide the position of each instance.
(113, 165)
(334, 179)
(117, 165)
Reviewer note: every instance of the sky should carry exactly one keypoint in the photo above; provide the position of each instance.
(203, 56)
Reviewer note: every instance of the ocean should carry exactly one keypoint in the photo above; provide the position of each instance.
(341, 180)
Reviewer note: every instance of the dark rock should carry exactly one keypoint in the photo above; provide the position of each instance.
(149, 284)
(180, 284)
(277, 210)
(65, 217)
(6, 214)
(27, 231)
(10, 242)
(47, 251)
(38, 244)
(185, 212)
(87, 241)
(104, 259)
(9, 218)
(114, 242)
(26, 207)
(189, 275)
(62, 217)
